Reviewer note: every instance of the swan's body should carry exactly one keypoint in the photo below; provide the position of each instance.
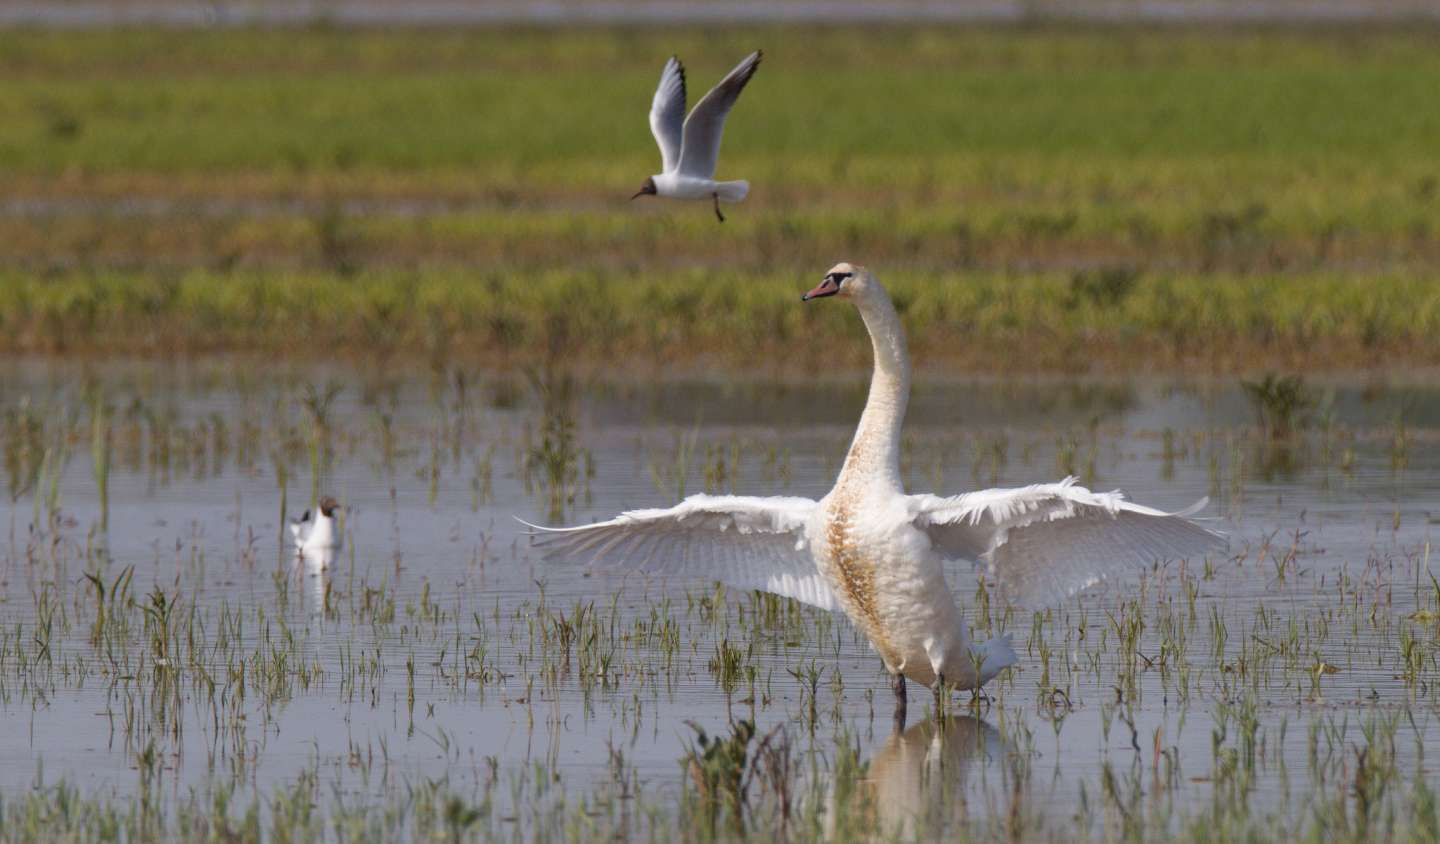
(878, 554)
(884, 569)
(690, 146)
(317, 532)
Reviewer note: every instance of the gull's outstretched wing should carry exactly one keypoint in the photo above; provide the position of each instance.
(667, 113)
(1043, 543)
(300, 528)
(701, 149)
(741, 541)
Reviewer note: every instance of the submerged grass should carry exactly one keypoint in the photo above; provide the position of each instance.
(1309, 709)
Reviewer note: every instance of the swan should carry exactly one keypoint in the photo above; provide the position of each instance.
(876, 553)
(317, 534)
(690, 146)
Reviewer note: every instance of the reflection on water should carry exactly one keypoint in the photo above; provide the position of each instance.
(314, 566)
(917, 779)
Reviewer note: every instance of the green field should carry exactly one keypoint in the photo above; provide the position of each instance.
(1104, 198)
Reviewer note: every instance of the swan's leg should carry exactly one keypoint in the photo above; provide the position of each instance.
(897, 685)
(940, 696)
(718, 215)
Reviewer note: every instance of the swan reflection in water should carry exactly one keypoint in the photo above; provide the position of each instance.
(917, 781)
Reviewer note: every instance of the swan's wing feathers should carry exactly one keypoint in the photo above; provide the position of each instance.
(1043, 543)
(667, 113)
(1048, 562)
(701, 148)
(744, 542)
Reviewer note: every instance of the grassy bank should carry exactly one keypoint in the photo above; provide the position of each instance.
(1104, 319)
(1263, 198)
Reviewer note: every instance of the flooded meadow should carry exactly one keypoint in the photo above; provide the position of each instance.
(169, 668)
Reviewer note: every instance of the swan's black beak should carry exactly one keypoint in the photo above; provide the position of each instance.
(829, 287)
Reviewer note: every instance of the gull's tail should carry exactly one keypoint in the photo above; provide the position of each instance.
(733, 191)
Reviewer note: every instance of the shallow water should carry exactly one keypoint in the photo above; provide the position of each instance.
(367, 674)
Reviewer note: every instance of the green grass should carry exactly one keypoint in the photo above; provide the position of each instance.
(519, 102)
(1263, 164)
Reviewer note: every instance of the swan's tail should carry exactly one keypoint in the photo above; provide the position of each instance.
(733, 191)
(996, 655)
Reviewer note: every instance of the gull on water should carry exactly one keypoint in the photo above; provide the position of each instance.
(690, 146)
(878, 554)
(317, 533)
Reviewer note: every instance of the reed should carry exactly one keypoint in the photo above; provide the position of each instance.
(100, 453)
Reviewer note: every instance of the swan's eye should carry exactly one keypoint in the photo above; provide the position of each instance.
(839, 278)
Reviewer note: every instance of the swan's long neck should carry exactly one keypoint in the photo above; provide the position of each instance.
(874, 456)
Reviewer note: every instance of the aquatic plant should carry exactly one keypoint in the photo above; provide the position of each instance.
(1281, 403)
(719, 768)
(100, 451)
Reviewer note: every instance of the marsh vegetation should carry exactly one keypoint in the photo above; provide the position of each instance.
(1123, 198)
(178, 675)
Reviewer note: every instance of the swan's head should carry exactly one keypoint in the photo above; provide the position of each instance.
(647, 189)
(845, 280)
(328, 506)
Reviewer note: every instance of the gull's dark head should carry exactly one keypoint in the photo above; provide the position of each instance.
(647, 189)
(843, 279)
(328, 506)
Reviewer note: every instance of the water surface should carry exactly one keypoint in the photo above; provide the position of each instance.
(440, 647)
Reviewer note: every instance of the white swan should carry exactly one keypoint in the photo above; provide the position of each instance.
(690, 146)
(317, 534)
(877, 553)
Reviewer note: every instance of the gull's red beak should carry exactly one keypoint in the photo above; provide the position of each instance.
(828, 287)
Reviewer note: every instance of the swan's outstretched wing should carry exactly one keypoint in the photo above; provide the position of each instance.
(667, 114)
(1044, 543)
(703, 128)
(743, 542)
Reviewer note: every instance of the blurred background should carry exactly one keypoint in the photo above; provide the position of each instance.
(1097, 186)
